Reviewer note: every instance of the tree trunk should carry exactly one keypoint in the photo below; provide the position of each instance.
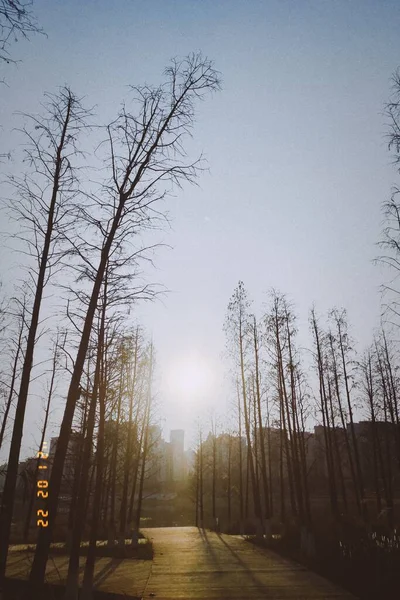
(352, 429)
(71, 590)
(44, 539)
(113, 467)
(128, 453)
(42, 441)
(8, 496)
(229, 482)
(256, 495)
(136, 467)
(145, 443)
(87, 587)
(325, 417)
(214, 478)
(13, 375)
(197, 490)
(260, 422)
(241, 499)
(201, 484)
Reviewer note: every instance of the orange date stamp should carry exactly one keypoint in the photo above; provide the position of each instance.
(42, 485)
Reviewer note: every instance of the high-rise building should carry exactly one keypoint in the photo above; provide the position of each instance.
(157, 456)
(177, 438)
(73, 449)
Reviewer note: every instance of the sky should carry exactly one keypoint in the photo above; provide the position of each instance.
(296, 148)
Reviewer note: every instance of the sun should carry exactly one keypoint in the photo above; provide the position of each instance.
(190, 377)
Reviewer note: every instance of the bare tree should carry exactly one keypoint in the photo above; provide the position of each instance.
(342, 338)
(43, 200)
(229, 480)
(146, 423)
(16, 20)
(132, 385)
(214, 442)
(50, 392)
(201, 478)
(15, 359)
(259, 420)
(237, 328)
(324, 408)
(84, 478)
(390, 241)
(90, 560)
(144, 151)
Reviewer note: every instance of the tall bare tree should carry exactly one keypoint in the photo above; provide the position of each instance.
(146, 424)
(237, 329)
(50, 393)
(390, 241)
(15, 359)
(144, 150)
(41, 204)
(259, 419)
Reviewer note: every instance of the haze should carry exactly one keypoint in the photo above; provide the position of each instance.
(295, 143)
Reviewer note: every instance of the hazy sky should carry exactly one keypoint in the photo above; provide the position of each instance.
(295, 142)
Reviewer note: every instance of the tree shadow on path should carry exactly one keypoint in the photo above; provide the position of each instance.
(210, 549)
(258, 584)
(106, 571)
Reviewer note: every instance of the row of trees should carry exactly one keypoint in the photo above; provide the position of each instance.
(107, 482)
(269, 467)
(269, 454)
(83, 235)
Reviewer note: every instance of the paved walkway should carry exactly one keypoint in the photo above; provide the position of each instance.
(189, 564)
(194, 565)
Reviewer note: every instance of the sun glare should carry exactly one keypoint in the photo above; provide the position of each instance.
(190, 377)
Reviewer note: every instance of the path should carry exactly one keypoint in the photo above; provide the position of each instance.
(189, 564)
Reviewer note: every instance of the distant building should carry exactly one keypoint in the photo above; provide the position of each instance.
(72, 456)
(190, 461)
(167, 461)
(177, 438)
(376, 440)
(158, 457)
